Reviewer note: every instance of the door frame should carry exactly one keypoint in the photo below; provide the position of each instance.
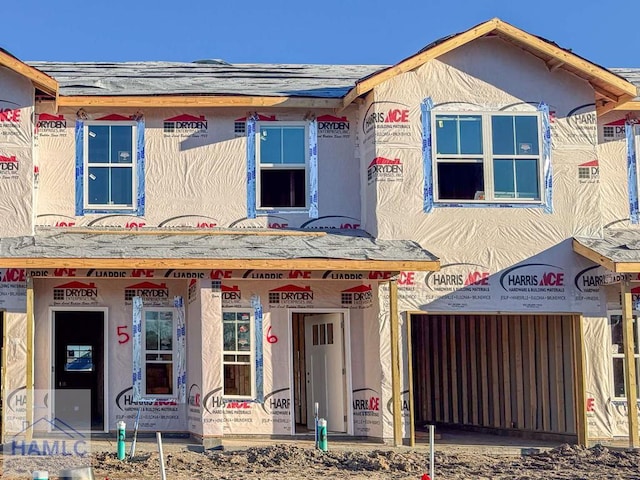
(105, 355)
(346, 339)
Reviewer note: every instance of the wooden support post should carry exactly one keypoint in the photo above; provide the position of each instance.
(30, 349)
(412, 427)
(395, 363)
(629, 363)
(581, 381)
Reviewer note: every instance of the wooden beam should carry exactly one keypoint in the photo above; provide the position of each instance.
(593, 255)
(506, 372)
(473, 359)
(395, 363)
(453, 370)
(627, 267)
(629, 364)
(579, 362)
(201, 101)
(223, 263)
(484, 372)
(518, 368)
(554, 64)
(30, 358)
(412, 426)
(625, 103)
(463, 346)
(495, 369)
(606, 94)
(444, 371)
(39, 79)
(544, 377)
(557, 374)
(419, 59)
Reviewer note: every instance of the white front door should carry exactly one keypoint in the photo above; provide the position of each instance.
(324, 356)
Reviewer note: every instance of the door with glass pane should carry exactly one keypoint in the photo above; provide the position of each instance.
(325, 373)
(159, 342)
(238, 348)
(617, 353)
(79, 368)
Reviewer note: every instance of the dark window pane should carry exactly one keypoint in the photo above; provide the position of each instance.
(244, 337)
(282, 188)
(152, 339)
(503, 135)
(229, 336)
(615, 323)
(470, 135)
(237, 380)
(79, 358)
(121, 188)
(159, 378)
(460, 181)
(527, 179)
(503, 181)
(165, 333)
(98, 142)
(98, 180)
(526, 135)
(618, 377)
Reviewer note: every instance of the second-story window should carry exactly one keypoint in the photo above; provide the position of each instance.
(487, 157)
(109, 165)
(282, 152)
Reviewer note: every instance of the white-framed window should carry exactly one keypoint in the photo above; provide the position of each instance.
(109, 155)
(159, 344)
(483, 157)
(617, 353)
(238, 350)
(282, 152)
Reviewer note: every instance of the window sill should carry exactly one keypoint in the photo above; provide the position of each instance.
(488, 205)
(127, 211)
(271, 211)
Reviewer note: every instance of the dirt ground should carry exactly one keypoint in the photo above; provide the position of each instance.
(297, 462)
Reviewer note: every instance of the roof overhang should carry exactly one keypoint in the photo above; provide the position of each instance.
(224, 249)
(177, 101)
(41, 81)
(610, 89)
(618, 251)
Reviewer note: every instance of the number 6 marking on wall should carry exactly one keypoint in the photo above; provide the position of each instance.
(271, 338)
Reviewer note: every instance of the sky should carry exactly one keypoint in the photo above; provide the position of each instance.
(288, 31)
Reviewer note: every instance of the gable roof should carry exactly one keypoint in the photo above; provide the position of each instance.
(40, 80)
(610, 88)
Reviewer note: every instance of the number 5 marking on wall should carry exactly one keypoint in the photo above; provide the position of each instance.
(124, 336)
(271, 338)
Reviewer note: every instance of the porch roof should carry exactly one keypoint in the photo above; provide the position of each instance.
(617, 250)
(346, 250)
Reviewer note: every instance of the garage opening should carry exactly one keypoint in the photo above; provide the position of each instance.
(496, 373)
